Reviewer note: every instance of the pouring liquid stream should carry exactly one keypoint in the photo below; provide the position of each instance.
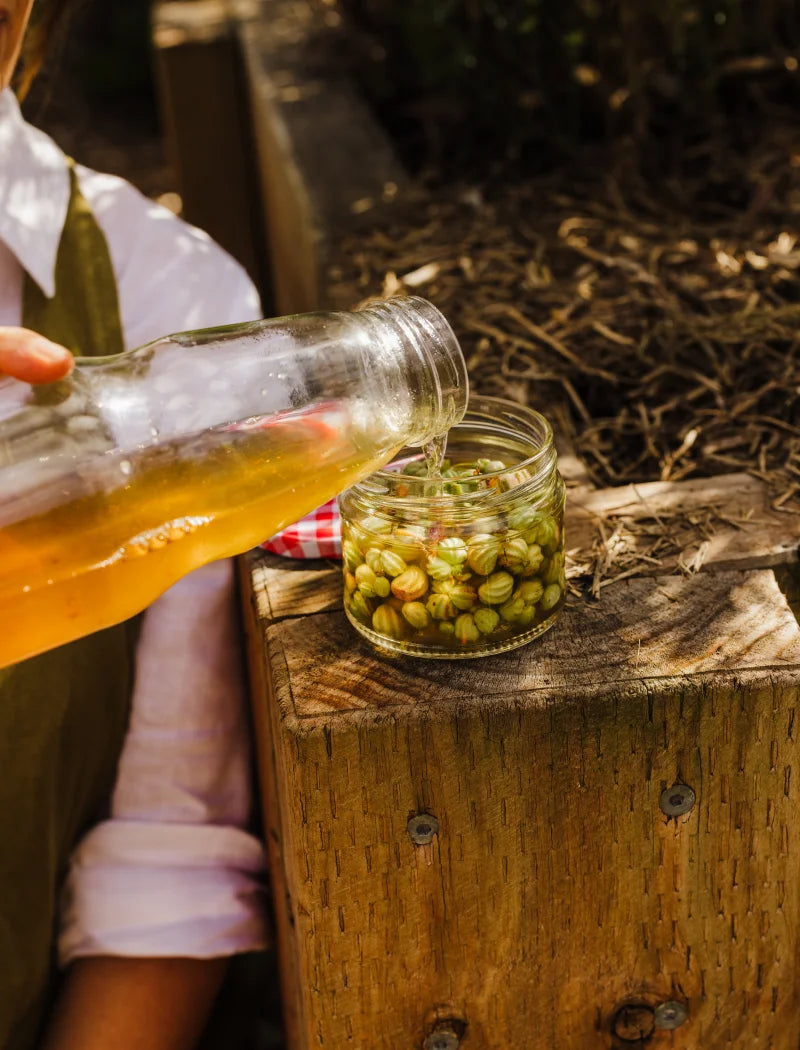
(434, 451)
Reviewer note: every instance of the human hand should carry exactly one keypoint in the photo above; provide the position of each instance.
(28, 356)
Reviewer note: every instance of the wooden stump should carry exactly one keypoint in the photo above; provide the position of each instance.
(588, 843)
(578, 844)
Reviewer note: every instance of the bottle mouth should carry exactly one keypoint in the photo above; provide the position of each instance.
(492, 428)
(426, 334)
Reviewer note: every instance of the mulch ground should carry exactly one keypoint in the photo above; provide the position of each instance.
(660, 324)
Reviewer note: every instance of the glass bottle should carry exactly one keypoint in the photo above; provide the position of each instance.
(466, 562)
(139, 468)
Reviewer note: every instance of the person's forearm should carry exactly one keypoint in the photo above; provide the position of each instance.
(134, 1004)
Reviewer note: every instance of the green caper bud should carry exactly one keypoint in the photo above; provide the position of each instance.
(490, 525)
(367, 530)
(489, 466)
(447, 628)
(523, 518)
(418, 468)
(410, 585)
(530, 591)
(547, 532)
(511, 610)
(460, 594)
(486, 620)
(527, 616)
(440, 607)
(551, 597)
(392, 564)
(372, 523)
(463, 596)
(407, 541)
(438, 568)
(452, 549)
(381, 587)
(373, 559)
(351, 555)
(349, 582)
(466, 629)
(555, 568)
(535, 559)
(366, 580)
(360, 607)
(387, 621)
(514, 554)
(497, 589)
(512, 479)
(482, 553)
(417, 615)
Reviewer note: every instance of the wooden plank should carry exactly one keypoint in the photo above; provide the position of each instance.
(322, 156)
(556, 889)
(720, 522)
(207, 128)
(272, 777)
(644, 629)
(737, 529)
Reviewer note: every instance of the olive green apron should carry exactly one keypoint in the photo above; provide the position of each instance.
(63, 715)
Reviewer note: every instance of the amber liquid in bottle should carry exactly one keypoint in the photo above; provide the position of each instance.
(65, 573)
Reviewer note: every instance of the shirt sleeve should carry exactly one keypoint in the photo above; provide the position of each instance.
(171, 277)
(173, 872)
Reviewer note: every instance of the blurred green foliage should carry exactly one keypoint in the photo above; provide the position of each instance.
(563, 70)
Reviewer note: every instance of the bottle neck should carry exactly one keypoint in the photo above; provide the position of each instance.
(413, 340)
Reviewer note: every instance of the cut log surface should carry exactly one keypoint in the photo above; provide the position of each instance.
(556, 890)
(720, 522)
(607, 841)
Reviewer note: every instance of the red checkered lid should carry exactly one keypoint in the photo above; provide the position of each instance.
(317, 535)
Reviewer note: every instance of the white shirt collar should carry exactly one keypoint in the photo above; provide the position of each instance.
(34, 194)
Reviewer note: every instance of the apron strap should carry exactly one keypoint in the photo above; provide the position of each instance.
(83, 315)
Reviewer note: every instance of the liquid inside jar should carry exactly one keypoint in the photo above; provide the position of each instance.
(459, 561)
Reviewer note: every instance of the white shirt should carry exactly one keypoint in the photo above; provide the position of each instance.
(172, 870)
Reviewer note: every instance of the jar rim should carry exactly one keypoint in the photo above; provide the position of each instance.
(541, 464)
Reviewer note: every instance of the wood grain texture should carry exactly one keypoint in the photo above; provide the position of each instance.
(642, 629)
(304, 107)
(556, 889)
(738, 528)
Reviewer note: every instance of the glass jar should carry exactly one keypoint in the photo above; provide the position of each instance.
(139, 468)
(466, 564)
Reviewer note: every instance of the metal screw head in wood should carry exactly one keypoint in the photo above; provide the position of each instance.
(677, 800)
(442, 1039)
(633, 1022)
(671, 1014)
(422, 829)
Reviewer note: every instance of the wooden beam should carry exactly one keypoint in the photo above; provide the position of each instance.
(556, 889)
(720, 522)
(207, 128)
(323, 159)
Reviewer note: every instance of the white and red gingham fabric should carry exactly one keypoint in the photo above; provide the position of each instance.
(317, 535)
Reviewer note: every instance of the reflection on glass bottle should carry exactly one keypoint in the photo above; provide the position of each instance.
(138, 469)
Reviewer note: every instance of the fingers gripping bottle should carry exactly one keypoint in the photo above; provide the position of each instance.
(139, 468)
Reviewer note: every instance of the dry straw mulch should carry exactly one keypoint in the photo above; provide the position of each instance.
(661, 328)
